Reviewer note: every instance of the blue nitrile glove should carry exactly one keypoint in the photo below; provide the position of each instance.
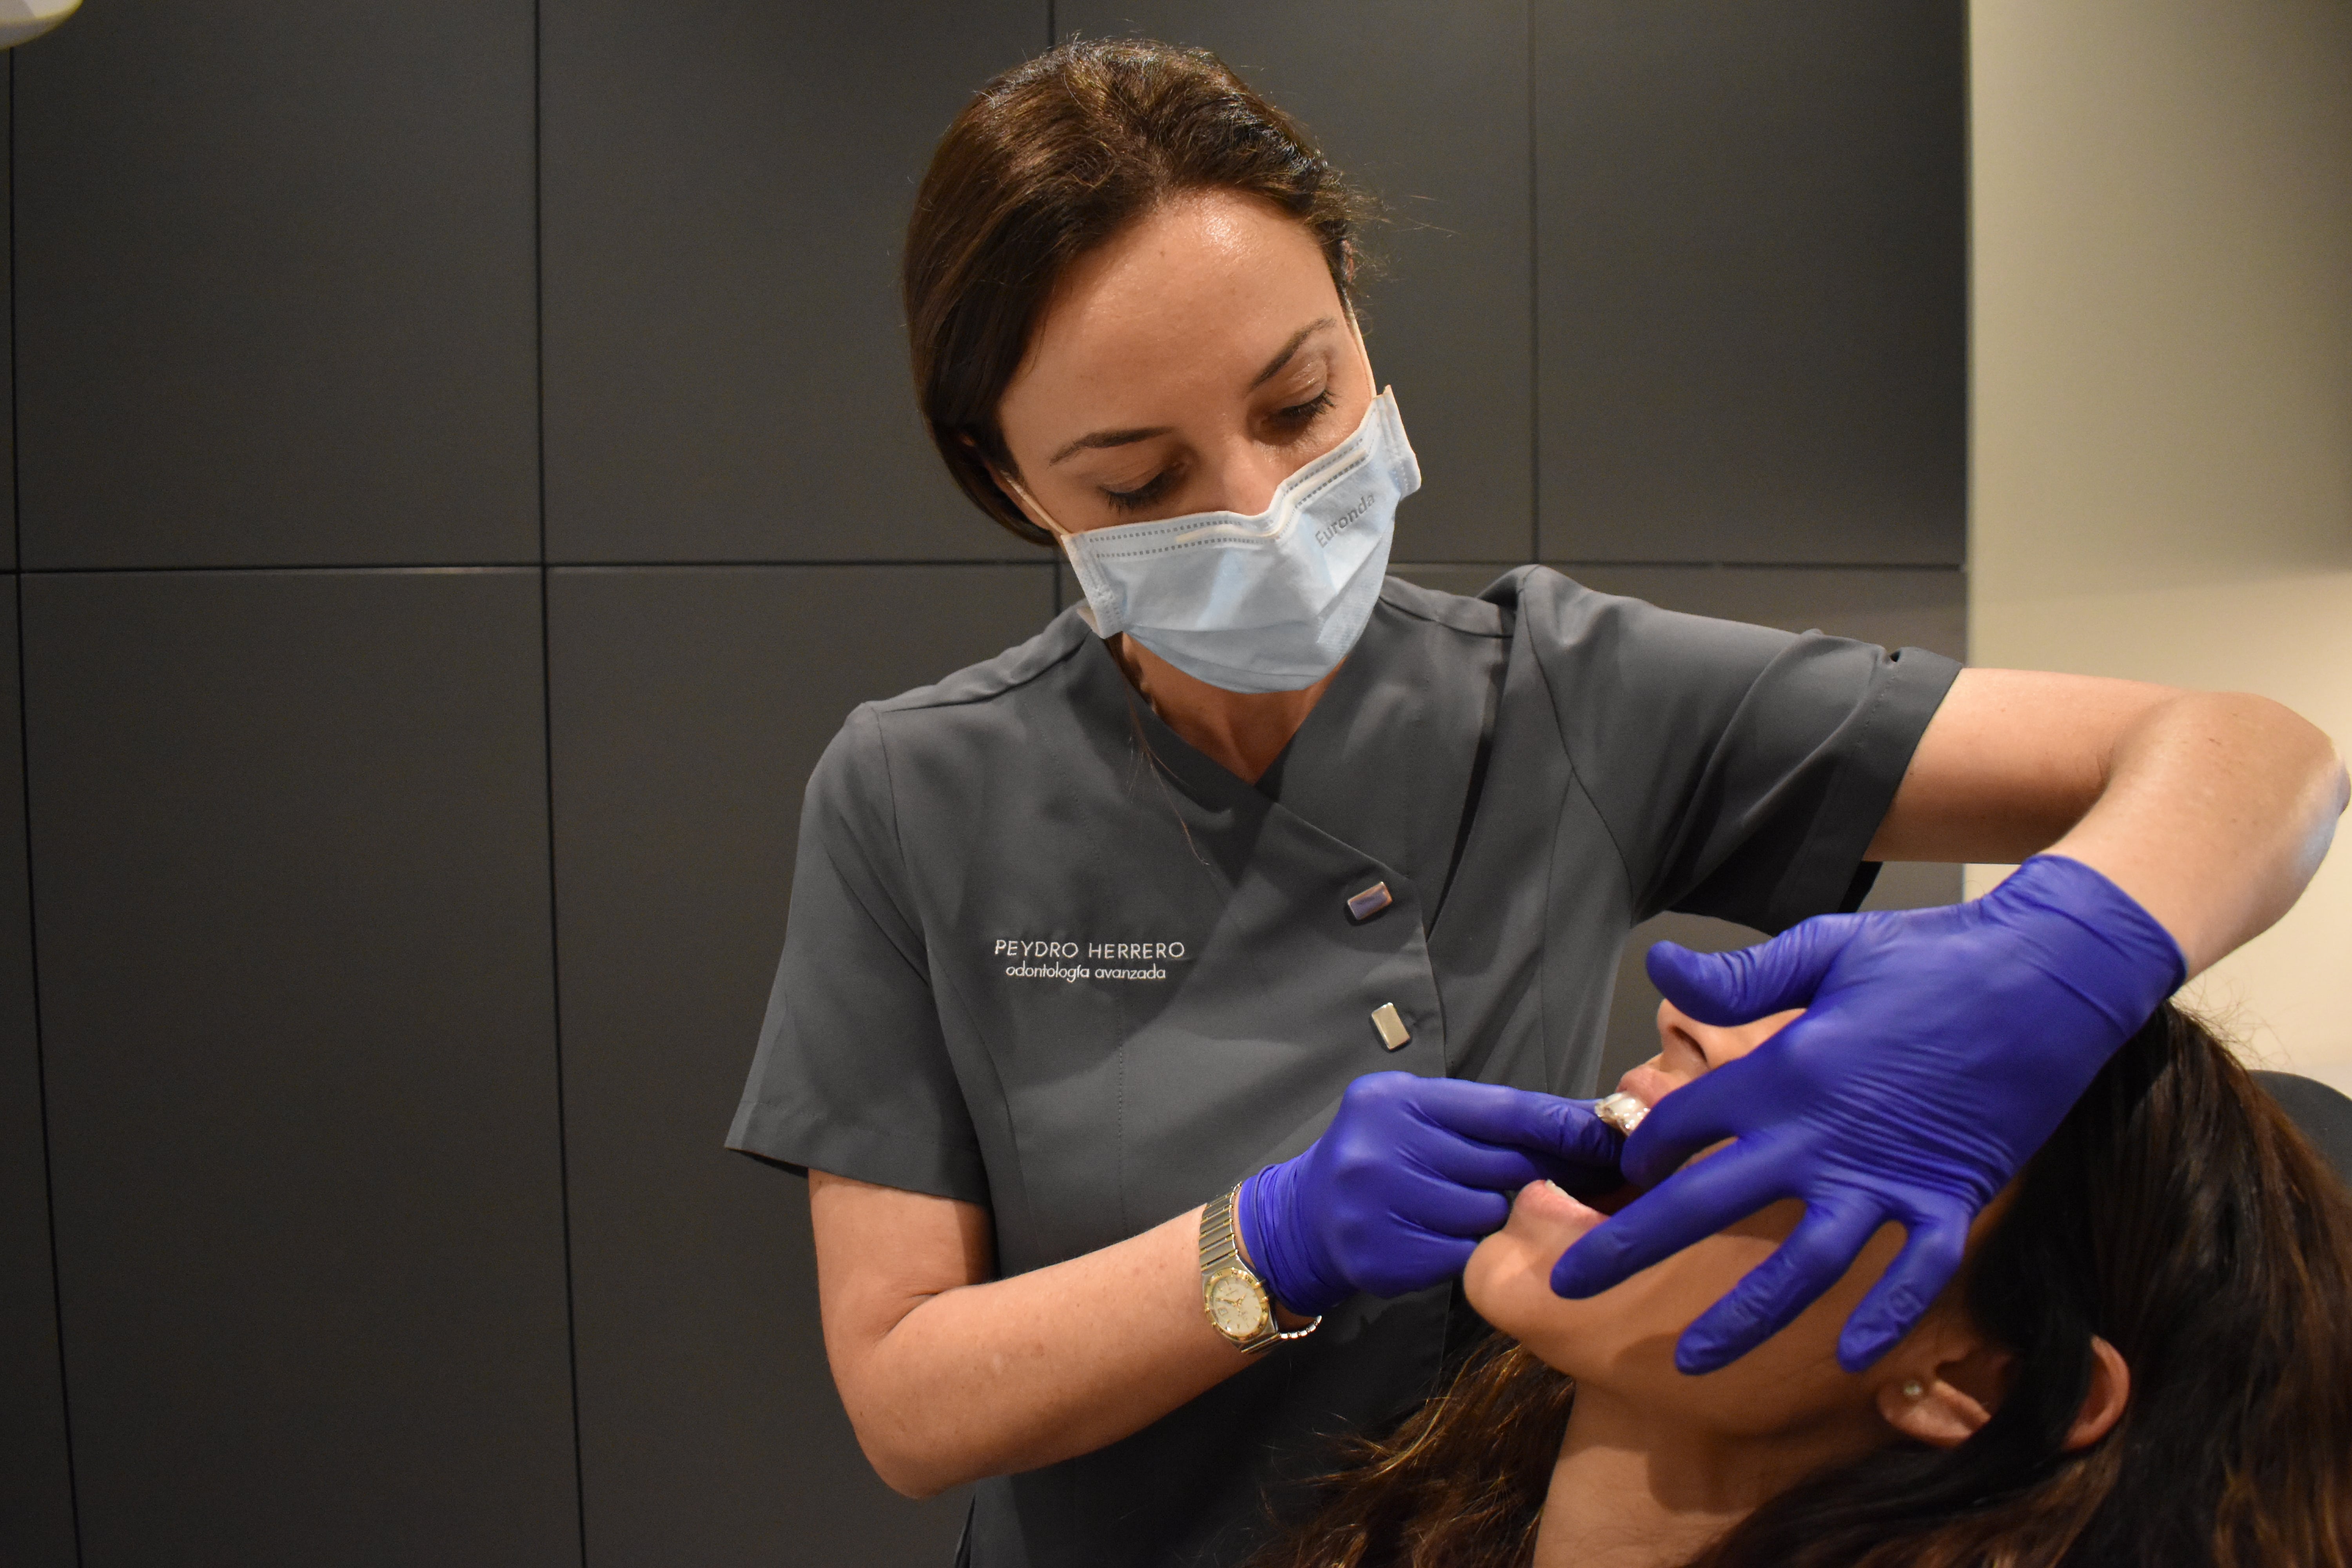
(1411, 1173)
(1942, 1047)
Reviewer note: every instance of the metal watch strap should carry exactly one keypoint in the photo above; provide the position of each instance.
(1221, 1252)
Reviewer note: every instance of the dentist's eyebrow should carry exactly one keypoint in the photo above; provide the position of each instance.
(1096, 441)
(1101, 438)
(1274, 366)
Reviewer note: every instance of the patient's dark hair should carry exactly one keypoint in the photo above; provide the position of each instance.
(2175, 1213)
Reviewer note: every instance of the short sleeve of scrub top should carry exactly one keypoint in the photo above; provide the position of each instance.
(1045, 957)
(1740, 771)
(852, 1022)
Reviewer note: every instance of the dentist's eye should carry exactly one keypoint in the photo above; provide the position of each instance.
(1298, 416)
(1143, 495)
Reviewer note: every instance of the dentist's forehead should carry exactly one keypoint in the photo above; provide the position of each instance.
(1193, 298)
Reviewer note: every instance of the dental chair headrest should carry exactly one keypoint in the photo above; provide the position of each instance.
(2323, 1113)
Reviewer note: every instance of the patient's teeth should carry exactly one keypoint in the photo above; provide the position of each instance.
(1622, 1111)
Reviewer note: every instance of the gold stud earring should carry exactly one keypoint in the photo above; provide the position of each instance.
(1911, 1390)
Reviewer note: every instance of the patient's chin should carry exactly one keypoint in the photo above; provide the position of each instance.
(1508, 1280)
(1496, 1283)
(1513, 1292)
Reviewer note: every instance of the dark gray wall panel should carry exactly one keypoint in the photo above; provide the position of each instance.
(275, 285)
(1751, 266)
(1427, 106)
(689, 706)
(290, 848)
(36, 1489)
(1892, 607)
(7, 319)
(726, 184)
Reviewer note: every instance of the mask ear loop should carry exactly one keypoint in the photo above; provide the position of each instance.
(1146, 752)
(1363, 354)
(1030, 503)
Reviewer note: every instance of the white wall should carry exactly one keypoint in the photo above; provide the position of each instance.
(2162, 466)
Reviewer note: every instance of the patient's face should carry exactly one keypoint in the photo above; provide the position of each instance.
(1623, 1338)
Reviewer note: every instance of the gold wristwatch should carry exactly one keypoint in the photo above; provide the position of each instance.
(1233, 1296)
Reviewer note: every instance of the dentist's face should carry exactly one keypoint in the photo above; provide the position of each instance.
(1192, 364)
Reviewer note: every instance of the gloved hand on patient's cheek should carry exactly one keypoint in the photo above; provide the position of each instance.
(1940, 1048)
(1412, 1172)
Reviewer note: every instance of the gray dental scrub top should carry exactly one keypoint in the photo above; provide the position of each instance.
(1045, 957)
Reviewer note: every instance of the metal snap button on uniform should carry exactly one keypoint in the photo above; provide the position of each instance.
(1393, 1034)
(1368, 902)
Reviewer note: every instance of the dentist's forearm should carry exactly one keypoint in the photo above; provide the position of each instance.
(2218, 809)
(948, 1376)
(2211, 809)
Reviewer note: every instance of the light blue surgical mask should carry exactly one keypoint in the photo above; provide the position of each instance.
(1270, 602)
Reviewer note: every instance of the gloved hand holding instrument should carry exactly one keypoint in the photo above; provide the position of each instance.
(1939, 1049)
(1412, 1172)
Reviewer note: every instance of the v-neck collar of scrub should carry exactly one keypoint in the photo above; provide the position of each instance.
(1206, 780)
(1423, 772)
(1326, 722)
(1116, 701)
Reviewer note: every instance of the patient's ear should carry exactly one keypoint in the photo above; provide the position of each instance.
(2103, 1404)
(1943, 1401)
(1941, 1395)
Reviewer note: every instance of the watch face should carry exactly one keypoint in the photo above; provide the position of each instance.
(1236, 1305)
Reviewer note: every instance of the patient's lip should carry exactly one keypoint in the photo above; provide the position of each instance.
(1645, 1083)
(1547, 1204)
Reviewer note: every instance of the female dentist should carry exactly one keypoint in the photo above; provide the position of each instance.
(1170, 1003)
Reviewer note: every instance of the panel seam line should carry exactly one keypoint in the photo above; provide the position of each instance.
(25, 766)
(547, 760)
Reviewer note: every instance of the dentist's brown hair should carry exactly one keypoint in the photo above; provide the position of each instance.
(1048, 163)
